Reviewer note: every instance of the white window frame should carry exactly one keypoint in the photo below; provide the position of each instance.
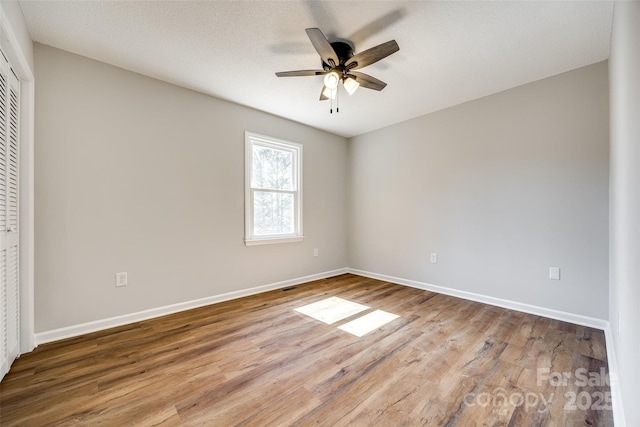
(250, 140)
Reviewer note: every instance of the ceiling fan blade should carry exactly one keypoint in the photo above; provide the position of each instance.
(368, 81)
(372, 55)
(299, 73)
(323, 97)
(322, 46)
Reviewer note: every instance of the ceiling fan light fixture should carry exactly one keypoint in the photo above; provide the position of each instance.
(339, 63)
(351, 85)
(331, 80)
(330, 93)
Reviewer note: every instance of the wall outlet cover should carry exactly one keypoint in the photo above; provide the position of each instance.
(121, 279)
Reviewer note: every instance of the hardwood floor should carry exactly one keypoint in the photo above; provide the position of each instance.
(257, 362)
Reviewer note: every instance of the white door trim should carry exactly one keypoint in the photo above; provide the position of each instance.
(20, 64)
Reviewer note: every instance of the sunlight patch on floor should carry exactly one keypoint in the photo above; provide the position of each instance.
(367, 323)
(332, 309)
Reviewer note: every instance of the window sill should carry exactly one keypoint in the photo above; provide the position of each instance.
(273, 240)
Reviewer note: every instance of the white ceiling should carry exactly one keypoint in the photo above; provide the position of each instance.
(450, 52)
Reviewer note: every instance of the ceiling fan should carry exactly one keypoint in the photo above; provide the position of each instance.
(339, 63)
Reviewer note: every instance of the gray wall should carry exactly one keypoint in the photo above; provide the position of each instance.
(137, 175)
(624, 66)
(501, 188)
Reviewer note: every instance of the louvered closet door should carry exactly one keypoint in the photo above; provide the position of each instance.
(9, 285)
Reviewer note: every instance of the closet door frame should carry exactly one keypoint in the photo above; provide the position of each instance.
(10, 42)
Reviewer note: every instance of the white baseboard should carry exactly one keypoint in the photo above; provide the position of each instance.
(98, 325)
(577, 319)
(614, 383)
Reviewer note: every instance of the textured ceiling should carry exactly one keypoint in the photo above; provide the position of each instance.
(450, 52)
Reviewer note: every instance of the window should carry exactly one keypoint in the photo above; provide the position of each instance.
(273, 190)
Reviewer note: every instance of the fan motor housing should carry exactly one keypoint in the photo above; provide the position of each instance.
(343, 50)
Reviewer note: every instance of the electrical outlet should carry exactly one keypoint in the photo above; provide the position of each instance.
(315, 252)
(434, 258)
(554, 273)
(121, 279)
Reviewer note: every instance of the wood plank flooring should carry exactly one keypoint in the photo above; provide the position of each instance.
(256, 362)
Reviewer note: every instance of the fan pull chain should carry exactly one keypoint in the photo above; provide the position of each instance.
(337, 102)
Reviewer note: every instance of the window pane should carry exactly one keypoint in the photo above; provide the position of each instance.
(272, 168)
(272, 213)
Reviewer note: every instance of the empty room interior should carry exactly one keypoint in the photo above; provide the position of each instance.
(296, 213)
